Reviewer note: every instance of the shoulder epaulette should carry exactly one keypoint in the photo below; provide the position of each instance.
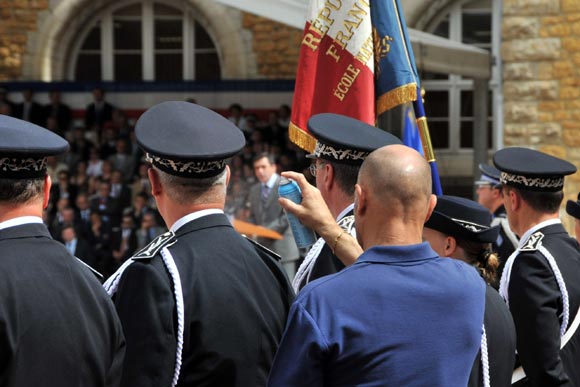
(533, 242)
(347, 223)
(263, 248)
(164, 240)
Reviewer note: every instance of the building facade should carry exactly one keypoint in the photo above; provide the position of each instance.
(534, 88)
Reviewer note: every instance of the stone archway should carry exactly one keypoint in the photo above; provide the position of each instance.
(49, 48)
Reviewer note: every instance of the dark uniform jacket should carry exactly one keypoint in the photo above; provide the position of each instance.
(536, 305)
(327, 263)
(57, 325)
(503, 246)
(501, 343)
(235, 307)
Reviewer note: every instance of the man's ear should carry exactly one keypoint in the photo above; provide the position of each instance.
(328, 176)
(515, 200)
(46, 194)
(431, 206)
(450, 246)
(360, 200)
(228, 175)
(156, 187)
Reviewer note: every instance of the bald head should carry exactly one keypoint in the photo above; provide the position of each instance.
(398, 178)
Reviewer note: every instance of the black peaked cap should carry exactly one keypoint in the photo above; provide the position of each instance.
(489, 175)
(464, 219)
(532, 170)
(24, 147)
(188, 140)
(346, 140)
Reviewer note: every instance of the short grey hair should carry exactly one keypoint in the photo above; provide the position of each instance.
(186, 190)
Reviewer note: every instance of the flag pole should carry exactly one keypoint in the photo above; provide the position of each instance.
(426, 141)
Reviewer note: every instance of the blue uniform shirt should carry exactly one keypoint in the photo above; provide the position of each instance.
(400, 316)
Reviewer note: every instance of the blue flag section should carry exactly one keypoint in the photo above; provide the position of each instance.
(396, 78)
(410, 135)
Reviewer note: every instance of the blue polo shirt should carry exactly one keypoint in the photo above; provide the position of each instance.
(399, 316)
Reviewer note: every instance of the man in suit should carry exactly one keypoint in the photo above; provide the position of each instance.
(83, 215)
(104, 204)
(265, 210)
(98, 112)
(7, 107)
(541, 282)
(30, 110)
(342, 144)
(201, 305)
(57, 325)
(77, 245)
(59, 112)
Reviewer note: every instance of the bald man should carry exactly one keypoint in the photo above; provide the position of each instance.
(399, 315)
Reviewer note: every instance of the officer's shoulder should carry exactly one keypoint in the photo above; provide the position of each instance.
(152, 249)
(533, 242)
(262, 249)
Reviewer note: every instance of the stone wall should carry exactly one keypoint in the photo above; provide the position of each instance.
(17, 18)
(541, 54)
(276, 46)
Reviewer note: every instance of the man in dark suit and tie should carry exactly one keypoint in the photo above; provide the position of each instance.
(265, 210)
(30, 110)
(59, 112)
(77, 246)
(98, 112)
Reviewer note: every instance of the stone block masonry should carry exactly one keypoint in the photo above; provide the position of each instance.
(541, 55)
(17, 18)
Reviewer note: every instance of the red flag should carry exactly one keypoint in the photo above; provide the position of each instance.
(335, 69)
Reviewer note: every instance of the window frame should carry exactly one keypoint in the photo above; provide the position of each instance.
(148, 50)
(455, 84)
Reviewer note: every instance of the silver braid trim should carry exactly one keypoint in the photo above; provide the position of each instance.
(112, 283)
(505, 279)
(533, 182)
(178, 292)
(562, 286)
(485, 359)
(305, 269)
(339, 154)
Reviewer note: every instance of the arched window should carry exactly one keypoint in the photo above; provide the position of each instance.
(150, 41)
(449, 97)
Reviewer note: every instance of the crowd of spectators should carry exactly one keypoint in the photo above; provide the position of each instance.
(100, 204)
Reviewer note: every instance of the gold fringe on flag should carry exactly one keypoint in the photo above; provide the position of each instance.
(395, 97)
(301, 138)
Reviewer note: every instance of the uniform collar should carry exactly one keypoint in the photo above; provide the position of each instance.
(343, 213)
(538, 226)
(407, 254)
(194, 215)
(20, 221)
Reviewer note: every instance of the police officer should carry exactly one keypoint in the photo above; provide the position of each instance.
(57, 325)
(573, 209)
(541, 281)
(342, 144)
(489, 195)
(200, 305)
(461, 228)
